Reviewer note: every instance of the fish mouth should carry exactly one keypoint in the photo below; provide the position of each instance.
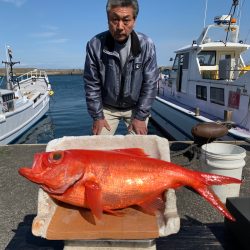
(29, 174)
(34, 173)
(40, 174)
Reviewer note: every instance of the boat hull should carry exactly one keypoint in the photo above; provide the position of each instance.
(177, 122)
(174, 123)
(14, 124)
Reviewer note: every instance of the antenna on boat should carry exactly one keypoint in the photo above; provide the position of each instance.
(233, 9)
(205, 15)
(9, 68)
(239, 13)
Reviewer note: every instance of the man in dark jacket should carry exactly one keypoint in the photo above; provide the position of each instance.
(120, 73)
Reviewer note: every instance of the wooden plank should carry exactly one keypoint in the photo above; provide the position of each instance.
(70, 222)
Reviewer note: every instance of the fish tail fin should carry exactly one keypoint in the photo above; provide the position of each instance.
(215, 179)
(202, 188)
(214, 200)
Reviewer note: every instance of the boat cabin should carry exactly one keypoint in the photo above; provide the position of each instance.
(209, 81)
(6, 100)
(209, 61)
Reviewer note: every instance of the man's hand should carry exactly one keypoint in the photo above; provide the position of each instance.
(139, 127)
(98, 125)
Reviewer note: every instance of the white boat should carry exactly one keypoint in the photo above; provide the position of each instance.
(23, 102)
(208, 82)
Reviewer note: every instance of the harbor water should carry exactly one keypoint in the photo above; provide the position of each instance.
(68, 115)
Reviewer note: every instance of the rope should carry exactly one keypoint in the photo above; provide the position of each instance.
(181, 152)
(196, 152)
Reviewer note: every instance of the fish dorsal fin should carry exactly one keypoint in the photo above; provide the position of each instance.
(131, 151)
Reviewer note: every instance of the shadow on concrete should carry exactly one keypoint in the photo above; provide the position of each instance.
(25, 240)
(196, 235)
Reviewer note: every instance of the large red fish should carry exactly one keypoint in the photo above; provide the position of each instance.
(115, 179)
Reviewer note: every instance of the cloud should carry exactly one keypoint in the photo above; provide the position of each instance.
(50, 27)
(17, 3)
(59, 40)
(49, 36)
(43, 34)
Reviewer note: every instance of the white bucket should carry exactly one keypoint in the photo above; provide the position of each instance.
(224, 159)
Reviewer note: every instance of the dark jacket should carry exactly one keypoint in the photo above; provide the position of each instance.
(107, 86)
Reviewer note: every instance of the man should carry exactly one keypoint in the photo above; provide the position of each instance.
(120, 73)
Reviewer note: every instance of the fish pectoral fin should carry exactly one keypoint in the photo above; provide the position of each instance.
(131, 151)
(93, 197)
(152, 204)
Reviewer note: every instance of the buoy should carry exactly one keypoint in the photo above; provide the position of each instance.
(208, 132)
(51, 92)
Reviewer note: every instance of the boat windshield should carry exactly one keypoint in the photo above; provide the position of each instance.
(207, 58)
(177, 60)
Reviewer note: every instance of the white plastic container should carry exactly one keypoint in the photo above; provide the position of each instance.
(224, 159)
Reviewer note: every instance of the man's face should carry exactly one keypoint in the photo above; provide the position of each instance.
(121, 22)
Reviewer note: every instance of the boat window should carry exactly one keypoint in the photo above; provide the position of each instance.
(225, 56)
(8, 97)
(217, 95)
(207, 58)
(178, 61)
(185, 60)
(201, 92)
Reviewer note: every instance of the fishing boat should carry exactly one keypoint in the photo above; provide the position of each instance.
(24, 100)
(208, 82)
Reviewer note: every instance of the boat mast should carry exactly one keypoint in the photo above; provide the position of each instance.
(9, 68)
(233, 9)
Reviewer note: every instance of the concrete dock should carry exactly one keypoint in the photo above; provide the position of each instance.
(202, 226)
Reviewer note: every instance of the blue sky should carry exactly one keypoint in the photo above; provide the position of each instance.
(54, 33)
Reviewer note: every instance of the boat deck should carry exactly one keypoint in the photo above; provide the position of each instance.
(202, 227)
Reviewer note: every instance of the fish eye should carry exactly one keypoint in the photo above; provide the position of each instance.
(56, 157)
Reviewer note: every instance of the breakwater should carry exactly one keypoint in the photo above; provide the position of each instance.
(20, 71)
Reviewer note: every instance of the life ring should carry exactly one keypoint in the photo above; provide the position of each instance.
(51, 92)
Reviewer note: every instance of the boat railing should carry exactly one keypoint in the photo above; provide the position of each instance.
(214, 32)
(31, 75)
(231, 74)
